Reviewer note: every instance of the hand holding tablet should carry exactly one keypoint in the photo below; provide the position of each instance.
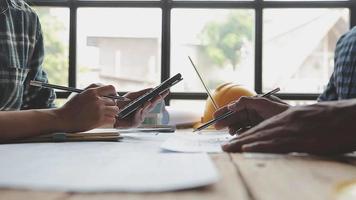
(160, 89)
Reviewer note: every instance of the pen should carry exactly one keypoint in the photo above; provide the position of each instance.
(229, 113)
(205, 87)
(70, 89)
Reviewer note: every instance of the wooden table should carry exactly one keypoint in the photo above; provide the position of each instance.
(243, 176)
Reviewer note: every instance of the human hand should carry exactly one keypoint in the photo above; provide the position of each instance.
(137, 117)
(323, 128)
(88, 110)
(249, 111)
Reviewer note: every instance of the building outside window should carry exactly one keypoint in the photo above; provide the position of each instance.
(135, 45)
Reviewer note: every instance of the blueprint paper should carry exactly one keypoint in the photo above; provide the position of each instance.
(136, 164)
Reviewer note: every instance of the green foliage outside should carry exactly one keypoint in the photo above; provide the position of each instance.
(56, 52)
(224, 40)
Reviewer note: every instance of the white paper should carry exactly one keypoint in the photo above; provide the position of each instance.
(193, 142)
(134, 165)
(103, 130)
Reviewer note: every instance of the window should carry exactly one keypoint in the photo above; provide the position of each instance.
(298, 47)
(136, 44)
(55, 27)
(220, 43)
(121, 47)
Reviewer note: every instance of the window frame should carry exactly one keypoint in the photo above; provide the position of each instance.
(167, 6)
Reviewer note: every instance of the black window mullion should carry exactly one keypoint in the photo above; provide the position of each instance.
(166, 42)
(72, 78)
(166, 6)
(353, 13)
(213, 4)
(305, 4)
(258, 46)
(203, 96)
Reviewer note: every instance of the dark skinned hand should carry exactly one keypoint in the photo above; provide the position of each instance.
(249, 111)
(322, 128)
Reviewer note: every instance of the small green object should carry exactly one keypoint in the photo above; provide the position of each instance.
(59, 137)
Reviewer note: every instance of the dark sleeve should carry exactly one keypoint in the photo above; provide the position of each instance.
(330, 93)
(35, 97)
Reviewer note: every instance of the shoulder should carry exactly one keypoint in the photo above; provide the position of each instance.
(349, 37)
(20, 6)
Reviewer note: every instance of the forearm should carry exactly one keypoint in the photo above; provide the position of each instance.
(23, 124)
(344, 113)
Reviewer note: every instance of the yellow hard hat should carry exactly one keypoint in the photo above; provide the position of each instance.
(223, 95)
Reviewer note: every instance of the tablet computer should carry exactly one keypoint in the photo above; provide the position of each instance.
(137, 103)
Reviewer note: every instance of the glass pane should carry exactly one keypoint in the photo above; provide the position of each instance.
(192, 106)
(55, 27)
(118, 0)
(213, 0)
(298, 47)
(220, 42)
(306, 0)
(299, 102)
(119, 46)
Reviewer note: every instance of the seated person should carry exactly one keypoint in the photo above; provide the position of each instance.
(326, 127)
(27, 111)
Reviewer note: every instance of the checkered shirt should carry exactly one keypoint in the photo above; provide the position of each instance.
(342, 84)
(21, 58)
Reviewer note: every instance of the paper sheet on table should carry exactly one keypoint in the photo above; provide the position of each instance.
(134, 165)
(209, 142)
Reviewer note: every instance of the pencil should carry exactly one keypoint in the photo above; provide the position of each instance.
(205, 87)
(70, 89)
(229, 113)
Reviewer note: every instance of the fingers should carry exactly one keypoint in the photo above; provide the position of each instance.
(111, 111)
(251, 103)
(279, 145)
(138, 116)
(250, 136)
(135, 95)
(132, 96)
(245, 112)
(250, 145)
(108, 101)
(232, 146)
(130, 121)
(157, 100)
(94, 85)
(242, 103)
(238, 120)
(108, 120)
(165, 94)
(221, 111)
(238, 130)
(147, 107)
(123, 103)
(276, 99)
(106, 90)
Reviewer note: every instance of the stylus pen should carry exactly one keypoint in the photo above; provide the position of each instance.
(205, 87)
(70, 89)
(230, 112)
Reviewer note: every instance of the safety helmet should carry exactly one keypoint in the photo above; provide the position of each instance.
(223, 95)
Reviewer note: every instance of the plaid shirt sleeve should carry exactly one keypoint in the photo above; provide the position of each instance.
(35, 97)
(329, 93)
(342, 84)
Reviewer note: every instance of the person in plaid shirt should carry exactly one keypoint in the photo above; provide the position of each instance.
(27, 111)
(327, 127)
